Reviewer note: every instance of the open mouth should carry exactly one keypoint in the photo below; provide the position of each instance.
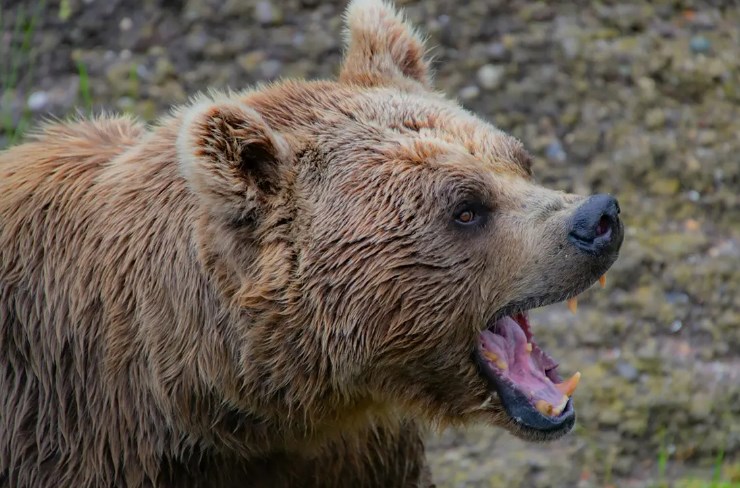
(524, 376)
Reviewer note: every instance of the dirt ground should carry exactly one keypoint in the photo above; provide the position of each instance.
(640, 99)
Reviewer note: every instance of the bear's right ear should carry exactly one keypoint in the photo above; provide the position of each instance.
(231, 159)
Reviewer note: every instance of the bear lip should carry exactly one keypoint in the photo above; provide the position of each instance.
(524, 377)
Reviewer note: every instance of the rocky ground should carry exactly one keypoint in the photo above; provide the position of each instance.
(640, 99)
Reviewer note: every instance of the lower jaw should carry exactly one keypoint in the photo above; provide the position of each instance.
(528, 420)
(508, 343)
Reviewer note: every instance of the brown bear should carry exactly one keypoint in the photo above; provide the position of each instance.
(281, 287)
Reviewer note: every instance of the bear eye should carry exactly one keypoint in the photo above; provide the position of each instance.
(466, 216)
(470, 214)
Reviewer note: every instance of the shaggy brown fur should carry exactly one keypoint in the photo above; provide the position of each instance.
(266, 288)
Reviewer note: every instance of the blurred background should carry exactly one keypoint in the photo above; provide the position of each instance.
(637, 98)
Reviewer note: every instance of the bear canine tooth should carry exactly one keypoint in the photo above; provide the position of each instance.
(490, 356)
(561, 406)
(528, 347)
(569, 386)
(544, 407)
(501, 364)
(602, 280)
(573, 305)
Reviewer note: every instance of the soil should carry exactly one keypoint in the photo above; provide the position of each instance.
(636, 98)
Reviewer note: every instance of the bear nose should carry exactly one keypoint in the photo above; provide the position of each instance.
(595, 227)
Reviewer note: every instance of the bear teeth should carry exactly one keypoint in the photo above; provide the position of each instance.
(569, 386)
(547, 408)
(573, 302)
(573, 305)
(490, 356)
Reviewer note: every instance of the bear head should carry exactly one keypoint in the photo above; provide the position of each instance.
(383, 245)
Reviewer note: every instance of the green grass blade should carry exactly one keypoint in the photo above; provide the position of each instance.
(14, 55)
(84, 85)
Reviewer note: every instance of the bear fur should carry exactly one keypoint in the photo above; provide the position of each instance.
(264, 289)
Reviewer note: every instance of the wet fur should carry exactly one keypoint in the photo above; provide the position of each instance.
(257, 289)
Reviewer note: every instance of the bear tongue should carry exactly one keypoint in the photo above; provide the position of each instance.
(509, 354)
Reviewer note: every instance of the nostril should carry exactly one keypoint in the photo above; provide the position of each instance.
(603, 226)
(594, 227)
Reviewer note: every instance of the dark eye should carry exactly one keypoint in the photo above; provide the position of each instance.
(470, 214)
(466, 216)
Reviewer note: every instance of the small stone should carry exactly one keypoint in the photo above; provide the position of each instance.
(627, 371)
(490, 76)
(271, 68)
(655, 118)
(142, 72)
(170, 90)
(496, 50)
(163, 69)
(583, 141)
(251, 60)
(119, 80)
(700, 407)
(647, 87)
(298, 39)
(555, 152)
(215, 49)
(676, 326)
(676, 298)
(125, 103)
(125, 24)
(571, 46)
(146, 109)
(692, 225)
(719, 176)
(706, 137)
(37, 100)
(196, 41)
(610, 417)
(666, 186)
(705, 19)
(699, 45)
(266, 13)
(469, 92)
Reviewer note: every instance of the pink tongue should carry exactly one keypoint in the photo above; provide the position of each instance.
(516, 363)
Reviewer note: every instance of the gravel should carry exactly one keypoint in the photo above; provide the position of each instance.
(636, 98)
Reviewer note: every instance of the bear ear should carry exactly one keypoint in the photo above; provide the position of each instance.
(231, 159)
(381, 48)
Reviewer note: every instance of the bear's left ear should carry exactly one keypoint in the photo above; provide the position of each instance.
(382, 48)
(231, 159)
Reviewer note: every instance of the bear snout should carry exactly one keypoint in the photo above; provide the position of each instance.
(596, 228)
